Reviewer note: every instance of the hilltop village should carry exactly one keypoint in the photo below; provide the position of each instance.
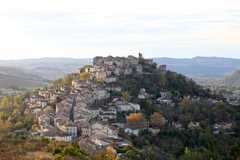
(92, 106)
(89, 109)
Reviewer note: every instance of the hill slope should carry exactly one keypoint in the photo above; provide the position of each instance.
(47, 68)
(13, 77)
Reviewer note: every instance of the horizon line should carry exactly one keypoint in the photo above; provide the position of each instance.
(88, 58)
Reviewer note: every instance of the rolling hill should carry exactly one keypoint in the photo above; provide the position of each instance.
(17, 78)
(47, 68)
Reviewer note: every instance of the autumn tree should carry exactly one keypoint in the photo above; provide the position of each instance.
(108, 154)
(185, 103)
(84, 76)
(68, 80)
(136, 120)
(135, 117)
(157, 120)
(4, 128)
(111, 153)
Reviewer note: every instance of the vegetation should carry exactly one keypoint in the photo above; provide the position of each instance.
(177, 139)
(181, 141)
(157, 120)
(12, 115)
(125, 96)
(40, 149)
(157, 81)
(190, 143)
(135, 117)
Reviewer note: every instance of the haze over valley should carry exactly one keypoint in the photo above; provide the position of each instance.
(38, 71)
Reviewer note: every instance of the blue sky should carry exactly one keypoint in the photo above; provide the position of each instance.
(157, 28)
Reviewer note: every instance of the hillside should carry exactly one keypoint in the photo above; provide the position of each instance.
(120, 107)
(47, 68)
(13, 77)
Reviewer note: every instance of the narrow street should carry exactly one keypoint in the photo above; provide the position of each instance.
(71, 117)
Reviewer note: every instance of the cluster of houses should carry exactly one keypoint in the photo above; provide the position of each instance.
(233, 97)
(165, 99)
(86, 110)
(106, 68)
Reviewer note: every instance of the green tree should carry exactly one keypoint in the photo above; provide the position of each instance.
(148, 108)
(196, 154)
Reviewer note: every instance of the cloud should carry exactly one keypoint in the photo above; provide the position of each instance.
(76, 27)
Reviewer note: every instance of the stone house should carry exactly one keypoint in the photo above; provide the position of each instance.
(44, 93)
(139, 69)
(110, 79)
(33, 99)
(44, 121)
(67, 128)
(194, 125)
(128, 71)
(114, 88)
(86, 131)
(108, 114)
(78, 84)
(222, 127)
(100, 75)
(100, 94)
(162, 68)
(128, 107)
(84, 128)
(102, 131)
(142, 94)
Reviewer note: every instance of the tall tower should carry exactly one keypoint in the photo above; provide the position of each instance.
(140, 56)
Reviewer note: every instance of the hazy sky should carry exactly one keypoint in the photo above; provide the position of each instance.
(86, 28)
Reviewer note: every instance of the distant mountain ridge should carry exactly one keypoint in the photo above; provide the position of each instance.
(53, 68)
(201, 66)
(47, 68)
